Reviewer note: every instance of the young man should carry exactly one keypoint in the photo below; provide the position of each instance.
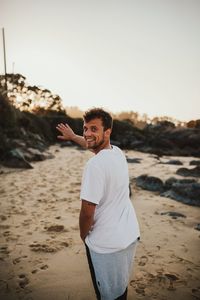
(108, 224)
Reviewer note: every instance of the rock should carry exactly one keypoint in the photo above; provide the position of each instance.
(170, 181)
(195, 163)
(197, 227)
(16, 159)
(170, 140)
(66, 144)
(133, 160)
(187, 193)
(150, 183)
(173, 214)
(195, 172)
(115, 143)
(172, 162)
(137, 144)
(32, 154)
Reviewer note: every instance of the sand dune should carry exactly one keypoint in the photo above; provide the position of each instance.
(43, 258)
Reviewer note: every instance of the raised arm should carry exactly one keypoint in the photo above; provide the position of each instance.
(69, 135)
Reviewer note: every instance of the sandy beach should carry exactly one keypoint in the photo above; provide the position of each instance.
(43, 258)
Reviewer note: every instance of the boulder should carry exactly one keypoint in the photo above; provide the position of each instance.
(150, 183)
(32, 154)
(195, 163)
(187, 193)
(15, 159)
(172, 162)
(195, 172)
(197, 227)
(172, 180)
(133, 160)
(173, 214)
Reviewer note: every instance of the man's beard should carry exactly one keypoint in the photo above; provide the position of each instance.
(96, 146)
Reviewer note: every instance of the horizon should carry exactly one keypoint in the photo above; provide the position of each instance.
(136, 56)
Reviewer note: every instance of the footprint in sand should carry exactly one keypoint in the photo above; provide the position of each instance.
(44, 267)
(3, 218)
(143, 261)
(49, 246)
(172, 278)
(139, 287)
(43, 248)
(55, 228)
(23, 280)
(4, 250)
(18, 259)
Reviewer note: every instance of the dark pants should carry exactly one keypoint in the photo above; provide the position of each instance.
(95, 284)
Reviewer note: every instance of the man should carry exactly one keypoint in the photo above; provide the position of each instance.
(108, 224)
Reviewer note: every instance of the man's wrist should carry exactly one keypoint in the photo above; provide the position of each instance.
(74, 138)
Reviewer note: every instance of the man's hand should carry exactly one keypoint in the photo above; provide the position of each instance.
(67, 133)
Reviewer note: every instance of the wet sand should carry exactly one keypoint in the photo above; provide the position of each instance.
(43, 258)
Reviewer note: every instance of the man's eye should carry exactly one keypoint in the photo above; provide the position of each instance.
(93, 129)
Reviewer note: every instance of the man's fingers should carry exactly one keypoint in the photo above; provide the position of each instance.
(59, 129)
(61, 125)
(61, 137)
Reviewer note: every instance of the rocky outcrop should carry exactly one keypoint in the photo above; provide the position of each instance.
(24, 137)
(160, 139)
(186, 191)
(169, 140)
(15, 159)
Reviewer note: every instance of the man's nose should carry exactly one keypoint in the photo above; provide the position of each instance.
(87, 133)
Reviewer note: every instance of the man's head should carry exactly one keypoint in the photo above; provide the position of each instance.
(99, 113)
(97, 129)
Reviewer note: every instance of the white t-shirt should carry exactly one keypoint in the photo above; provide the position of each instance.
(105, 182)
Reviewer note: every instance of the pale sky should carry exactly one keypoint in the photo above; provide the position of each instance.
(140, 55)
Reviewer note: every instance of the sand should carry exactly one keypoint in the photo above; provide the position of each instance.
(43, 258)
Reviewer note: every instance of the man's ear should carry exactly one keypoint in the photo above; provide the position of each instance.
(108, 132)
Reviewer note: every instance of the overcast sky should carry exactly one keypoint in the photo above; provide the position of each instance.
(140, 55)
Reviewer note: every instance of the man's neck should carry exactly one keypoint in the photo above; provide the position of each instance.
(107, 146)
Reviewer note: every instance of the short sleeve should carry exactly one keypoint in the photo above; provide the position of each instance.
(92, 187)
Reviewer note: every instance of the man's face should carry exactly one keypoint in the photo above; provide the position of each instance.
(95, 136)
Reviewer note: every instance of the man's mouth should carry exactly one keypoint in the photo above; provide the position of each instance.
(90, 140)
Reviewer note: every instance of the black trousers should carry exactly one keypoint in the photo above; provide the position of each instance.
(95, 283)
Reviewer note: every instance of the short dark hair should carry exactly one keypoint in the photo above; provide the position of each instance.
(99, 113)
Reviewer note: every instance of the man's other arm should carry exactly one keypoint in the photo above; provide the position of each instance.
(86, 218)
